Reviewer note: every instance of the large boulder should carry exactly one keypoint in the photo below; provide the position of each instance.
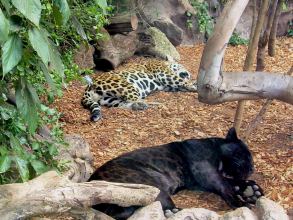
(270, 210)
(161, 47)
(170, 16)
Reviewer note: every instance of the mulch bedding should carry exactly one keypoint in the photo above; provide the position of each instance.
(180, 116)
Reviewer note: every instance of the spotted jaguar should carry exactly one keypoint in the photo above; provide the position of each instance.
(127, 88)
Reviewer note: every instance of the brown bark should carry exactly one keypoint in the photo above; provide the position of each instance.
(218, 87)
(254, 20)
(263, 40)
(113, 50)
(250, 57)
(50, 193)
(122, 23)
(273, 33)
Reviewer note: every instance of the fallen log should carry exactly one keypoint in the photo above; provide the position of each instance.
(122, 23)
(51, 193)
(113, 50)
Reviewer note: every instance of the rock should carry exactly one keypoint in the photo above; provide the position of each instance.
(170, 17)
(153, 211)
(244, 24)
(195, 214)
(284, 21)
(171, 30)
(242, 213)
(161, 47)
(83, 57)
(79, 157)
(270, 210)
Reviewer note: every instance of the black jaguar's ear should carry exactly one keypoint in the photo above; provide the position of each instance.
(232, 136)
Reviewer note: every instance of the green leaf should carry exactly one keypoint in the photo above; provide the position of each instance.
(78, 27)
(48, 77)
(39, 166)
(11, 53)
(46, 50)
(6, 5)
(22, 168)
(4, 27)
(52, 150)
(39, 42)
(56, 62)
(5, 163)
(102, 4)
(3, 150)
(31, 9)
(27, 102)
(16, 146)
(61, 11)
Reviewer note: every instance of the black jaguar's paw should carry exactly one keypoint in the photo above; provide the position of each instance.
(247, 191)
(168, 213)
(139, 106)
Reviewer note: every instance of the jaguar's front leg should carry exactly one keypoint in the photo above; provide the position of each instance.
(92, 104)
(236, 193)
(127, 104)
(248, 191)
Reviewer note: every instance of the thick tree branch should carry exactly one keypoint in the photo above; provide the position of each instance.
(248, 85)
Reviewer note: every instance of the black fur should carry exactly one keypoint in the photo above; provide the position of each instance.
(218, 165)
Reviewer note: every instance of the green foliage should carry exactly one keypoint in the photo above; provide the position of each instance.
(30, 9)
(32, 32)
(235, 39)
(22, 156)
(121, 6)
(205, 21)
(11, 53)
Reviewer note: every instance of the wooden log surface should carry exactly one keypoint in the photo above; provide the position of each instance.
(122, 23)
(51, 193)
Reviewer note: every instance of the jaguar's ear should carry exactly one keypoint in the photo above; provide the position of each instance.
(232, 136)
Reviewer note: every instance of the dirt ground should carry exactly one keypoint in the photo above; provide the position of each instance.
(180, 116)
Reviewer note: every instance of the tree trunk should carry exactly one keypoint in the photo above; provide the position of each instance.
(273, 33)
(254, 20)
(249, 60)
(50, 193)
(263, 40)
(122, 23)
(218, 87)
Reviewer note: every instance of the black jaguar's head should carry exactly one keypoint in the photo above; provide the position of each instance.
(236, 158)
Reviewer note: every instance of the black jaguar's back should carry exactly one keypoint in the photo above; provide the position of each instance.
(212, 164)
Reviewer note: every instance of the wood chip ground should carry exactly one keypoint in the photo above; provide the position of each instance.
(180, 116)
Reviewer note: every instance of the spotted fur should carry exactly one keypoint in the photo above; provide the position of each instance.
(128, 87)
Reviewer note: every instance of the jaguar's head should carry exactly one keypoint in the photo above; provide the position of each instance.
(236, 159)
(185, 82)
(180, 70)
